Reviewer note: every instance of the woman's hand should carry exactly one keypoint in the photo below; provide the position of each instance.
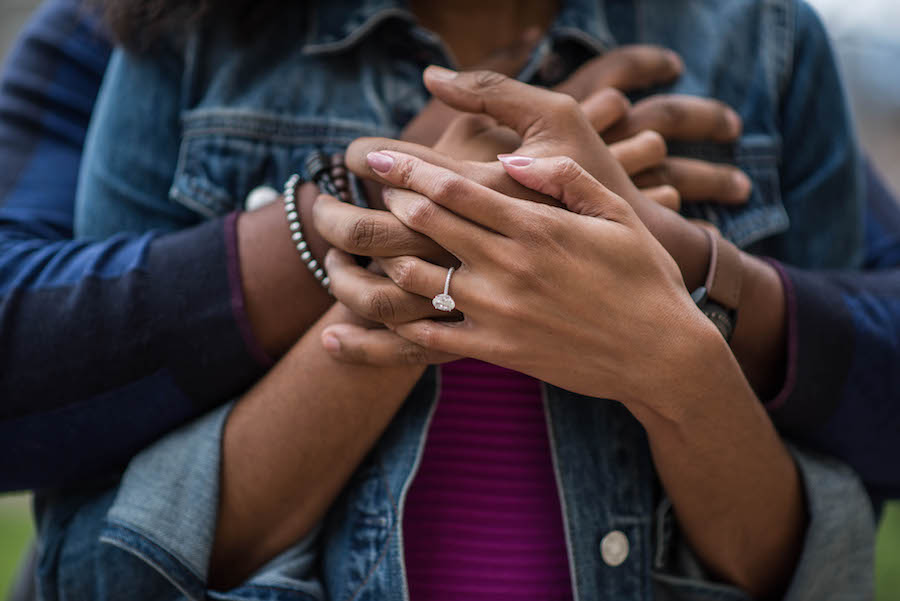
(588, 300)
(585, 299)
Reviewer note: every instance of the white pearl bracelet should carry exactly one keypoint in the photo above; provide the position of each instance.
(292, 211)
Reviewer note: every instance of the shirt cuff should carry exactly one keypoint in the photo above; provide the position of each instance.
(165, 514)
(817, 365)
(238, 300)
(790, 371)
(837, 560)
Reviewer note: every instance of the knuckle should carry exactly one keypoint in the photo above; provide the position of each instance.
(412, 354)
(378, 306)
(447, 185)
(426, 335)
(403, 273)
(363, 233)
(564, 104)
(565, 170)
(420, 212)
(404, 169)
(485, 80)
(668, 112)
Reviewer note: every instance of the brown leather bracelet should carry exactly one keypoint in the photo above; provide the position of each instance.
(726, 271)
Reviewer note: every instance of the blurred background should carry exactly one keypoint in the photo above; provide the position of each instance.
(866, 36)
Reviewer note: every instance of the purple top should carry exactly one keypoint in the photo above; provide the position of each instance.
(483, 518)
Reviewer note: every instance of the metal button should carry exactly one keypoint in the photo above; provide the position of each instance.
(614, 548)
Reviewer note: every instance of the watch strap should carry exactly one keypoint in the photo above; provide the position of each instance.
(726, 271)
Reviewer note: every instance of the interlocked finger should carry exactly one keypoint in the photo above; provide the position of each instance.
(425, 279)
(643, 151)
(374, 297)
(699, 181)
(604, 108)
(369, 232)
(679, 117)
(377, 347)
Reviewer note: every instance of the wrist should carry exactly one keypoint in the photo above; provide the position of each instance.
(684, 241)
(688, 365)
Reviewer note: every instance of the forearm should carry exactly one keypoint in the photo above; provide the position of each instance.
(758, 342)
(281, 297)
(734, 486)
(291, 444)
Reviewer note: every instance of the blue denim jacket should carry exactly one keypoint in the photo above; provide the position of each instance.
(207, 124)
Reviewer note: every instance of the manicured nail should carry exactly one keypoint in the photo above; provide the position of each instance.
(331, 343)
(515, 160)
(441, 72)
(742, 185)
(380, 162)
(734, 123)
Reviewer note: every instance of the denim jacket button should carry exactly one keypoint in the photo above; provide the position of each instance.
(260, 197)
(614, 548)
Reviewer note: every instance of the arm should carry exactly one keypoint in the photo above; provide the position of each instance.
(841, 394)
(306, 426)
(93, 331)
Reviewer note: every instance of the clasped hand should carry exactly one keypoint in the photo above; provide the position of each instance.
(583, 298)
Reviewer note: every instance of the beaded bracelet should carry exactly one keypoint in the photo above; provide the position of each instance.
(293, 217)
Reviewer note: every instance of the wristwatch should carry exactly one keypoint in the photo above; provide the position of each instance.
(720, 295)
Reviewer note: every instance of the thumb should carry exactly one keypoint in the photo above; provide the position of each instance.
(565, 180)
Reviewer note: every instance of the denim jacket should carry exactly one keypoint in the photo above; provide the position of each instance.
(205, 124)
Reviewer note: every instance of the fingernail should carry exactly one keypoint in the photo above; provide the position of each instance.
(742, 184)
(674, 60)
(734, 123)
(515, 160)
(331, 343)
(441, 72)
(380, 162)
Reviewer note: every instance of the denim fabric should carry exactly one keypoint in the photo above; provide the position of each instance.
(206, 124)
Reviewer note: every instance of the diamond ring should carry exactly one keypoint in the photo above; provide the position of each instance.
(445, 302)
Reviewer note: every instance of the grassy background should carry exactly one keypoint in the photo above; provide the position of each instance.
(16, 530)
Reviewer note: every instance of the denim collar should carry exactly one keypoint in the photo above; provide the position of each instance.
(333, 27)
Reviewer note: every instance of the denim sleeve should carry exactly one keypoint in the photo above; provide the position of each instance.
(821, 178)
(94, 333)
(837, 558)
(150, 537)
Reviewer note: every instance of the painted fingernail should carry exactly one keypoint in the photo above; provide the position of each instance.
(331, 343)
(441, 72)
(380, 162)
(515, 160)
(734, 123)
(742, 184)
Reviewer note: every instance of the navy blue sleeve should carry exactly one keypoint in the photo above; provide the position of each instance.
(104, 346)
(843, 391)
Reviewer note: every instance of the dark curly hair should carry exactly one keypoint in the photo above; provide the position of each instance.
(140, 24)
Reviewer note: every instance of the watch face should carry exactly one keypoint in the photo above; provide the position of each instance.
(721, 317)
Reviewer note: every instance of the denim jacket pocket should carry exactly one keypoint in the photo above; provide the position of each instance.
(225, 153)
(764, 214)
(677, 573)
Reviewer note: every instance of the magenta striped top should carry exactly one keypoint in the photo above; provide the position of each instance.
(483, 519)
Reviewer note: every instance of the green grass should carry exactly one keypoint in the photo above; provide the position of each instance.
(887, 555)
(16, 530)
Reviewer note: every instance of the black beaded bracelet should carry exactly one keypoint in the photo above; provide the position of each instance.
(292, 211)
